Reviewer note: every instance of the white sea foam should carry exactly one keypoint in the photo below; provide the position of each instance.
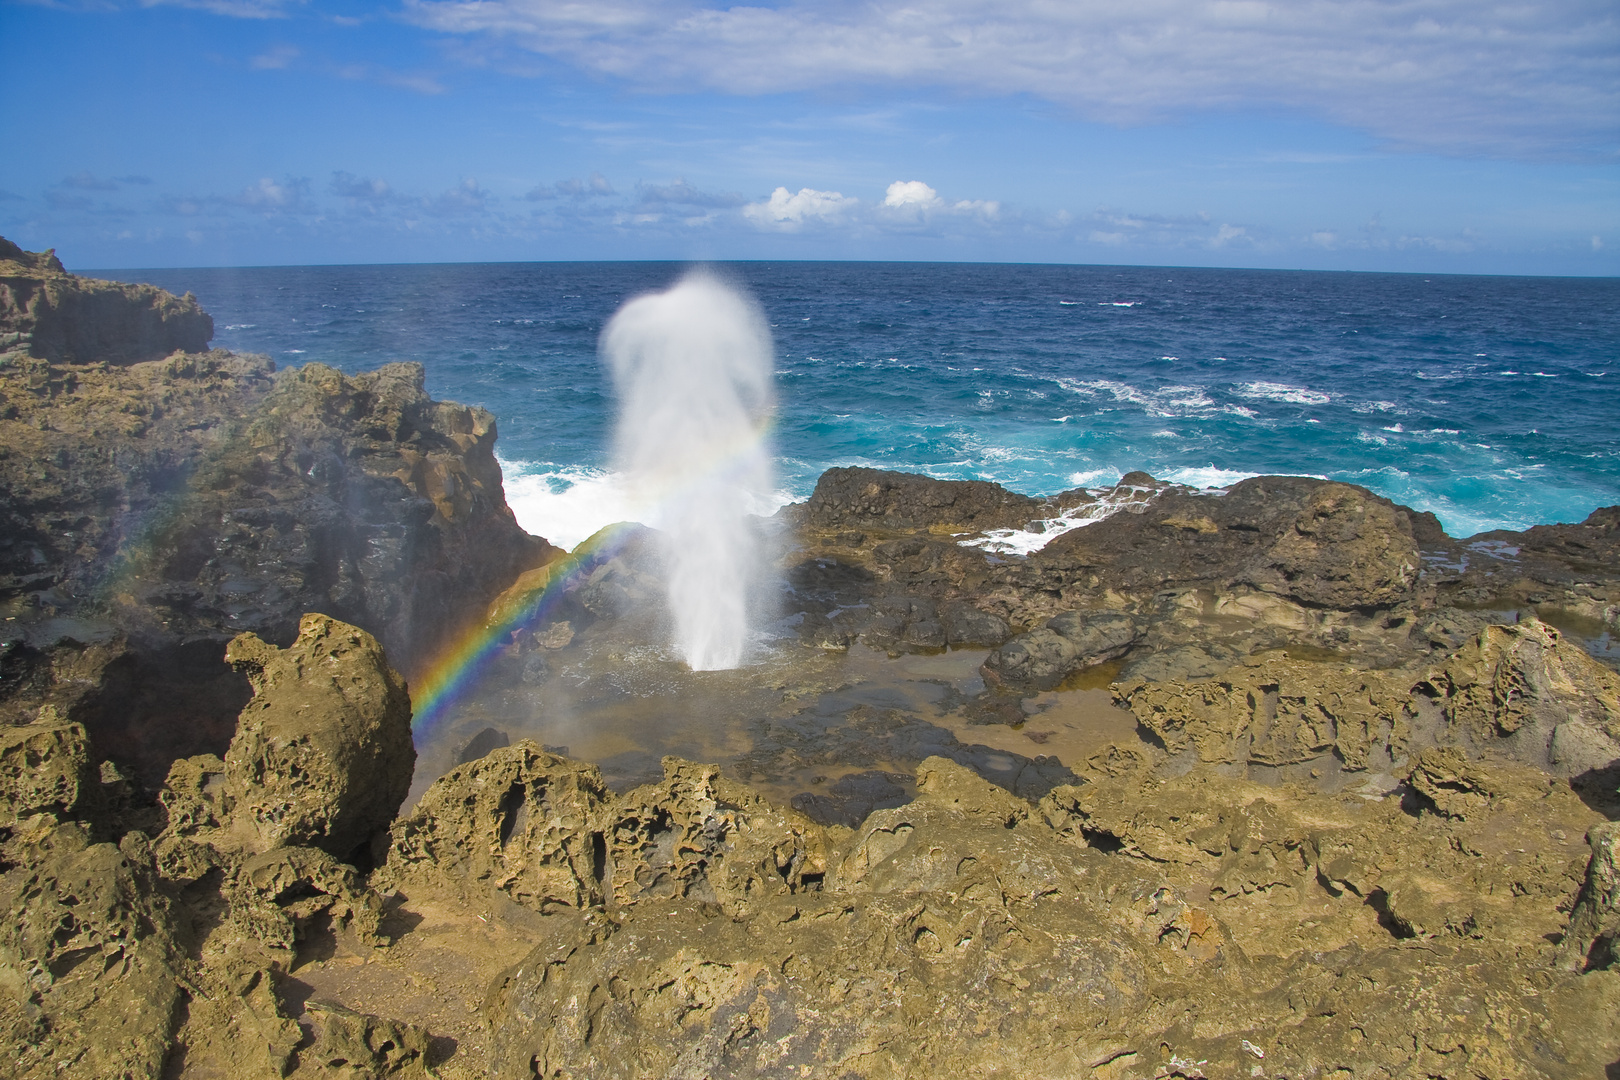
(1069, 303)
(1273, 391)
(1208, 478)
(565, 505)
(1029, 541)
(1168, 401)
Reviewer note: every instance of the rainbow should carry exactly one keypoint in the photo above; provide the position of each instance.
(535, 593)
(457, 667)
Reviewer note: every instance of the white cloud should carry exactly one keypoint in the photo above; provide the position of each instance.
(911, 193)
(274, 58)
(787, 210)
(1503, 77)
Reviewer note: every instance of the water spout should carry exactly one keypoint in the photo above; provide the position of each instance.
(693, 367)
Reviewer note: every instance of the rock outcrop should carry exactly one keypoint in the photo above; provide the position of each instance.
(49, 314)
(153, 508)
(322, 755)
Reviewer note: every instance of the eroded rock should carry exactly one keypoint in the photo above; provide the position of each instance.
(322, 755)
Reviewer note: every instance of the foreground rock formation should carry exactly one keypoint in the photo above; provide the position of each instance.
(160, 499)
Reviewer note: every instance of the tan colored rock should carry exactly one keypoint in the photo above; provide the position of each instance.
(1527, 689)
(698, 835)
(518, 820)
(1593, 938)
(1276, 711)
(90, 963)
(1347, 549)
(322, 755)
(360, 1046)
(44, 766)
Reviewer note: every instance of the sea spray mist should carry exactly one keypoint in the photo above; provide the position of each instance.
(693, 367)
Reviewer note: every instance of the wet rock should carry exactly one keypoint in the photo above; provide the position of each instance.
(966, 625)
(850, 799)
(1041, 659)
(322, 755)
(44, 767)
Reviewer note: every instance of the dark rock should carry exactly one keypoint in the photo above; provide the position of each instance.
(481, 744)
(1041, 659)
(855, 498)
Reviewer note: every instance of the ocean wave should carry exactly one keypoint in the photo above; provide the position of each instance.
(1208, 477)
(1273, 391)
(1168, 401)
(566, 504)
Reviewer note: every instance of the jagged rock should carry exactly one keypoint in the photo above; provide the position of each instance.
(350, 1045)
(518, 820)
(1593, 938)
(966, 625)
(90, 964)
(322, 755)
(964, 911)
(1041, 659)
(53, 315)
(698, 835)
(1275, 711)
(1516, 686)
(44, 767)
(153, 510)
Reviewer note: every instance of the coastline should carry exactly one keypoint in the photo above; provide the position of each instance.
(1320, 787)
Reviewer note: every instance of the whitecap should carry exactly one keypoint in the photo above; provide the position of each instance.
(296, 352)
(241, 326)
(1545, 375)
(1165, 435)
(1396, 428)
(1069, 303)
(1272, 391)
(1119, 303)
(1092, 477)
(1208, 478)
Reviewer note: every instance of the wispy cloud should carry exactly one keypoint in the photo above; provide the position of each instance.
(1515, 78)
(236, 9)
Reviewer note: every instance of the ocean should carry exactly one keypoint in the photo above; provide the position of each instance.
(1492, 401)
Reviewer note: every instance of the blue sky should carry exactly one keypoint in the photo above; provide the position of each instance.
(1469, 136)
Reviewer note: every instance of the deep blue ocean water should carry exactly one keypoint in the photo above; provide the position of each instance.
(1492, 401)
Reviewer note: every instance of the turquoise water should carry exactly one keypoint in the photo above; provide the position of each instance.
(1494, 402)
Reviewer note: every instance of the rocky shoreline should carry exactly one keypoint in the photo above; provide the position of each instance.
(1358, 819)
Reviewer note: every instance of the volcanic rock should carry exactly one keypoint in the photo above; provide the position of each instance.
(322, 755)
(49, 314)
(1041, 659)
(152, 509)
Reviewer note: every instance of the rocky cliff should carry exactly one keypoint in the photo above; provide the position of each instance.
(151, 509)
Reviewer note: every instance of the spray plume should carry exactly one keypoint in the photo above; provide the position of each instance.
(693, 369)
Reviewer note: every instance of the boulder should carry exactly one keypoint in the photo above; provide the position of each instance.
(1527, 691)
(1592, 940)
(44, 766)
(517, 820)
(322, 755)
(91, 958)
(1043, 658)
